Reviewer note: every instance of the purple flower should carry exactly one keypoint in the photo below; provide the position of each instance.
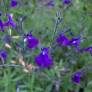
(88, 49)
(31, 41)
(62, 40)
(1, 26)
(10, 21)
(3, 54)
(13, 3)
(75, 42)
(43, 59)
(6, 38)
(76, 77)
(50, 4)
(66, 1)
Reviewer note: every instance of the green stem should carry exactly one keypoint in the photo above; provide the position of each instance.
(5, 8)
(57, 22)
(10, 65)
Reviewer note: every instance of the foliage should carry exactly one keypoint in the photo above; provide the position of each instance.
(20, 72)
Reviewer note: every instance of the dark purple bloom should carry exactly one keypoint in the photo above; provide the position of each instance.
(10, 21)
(62, 40)
(6, 38)
(31, 41)
(76, 77)
(43, 59)
(3, 54)
(1, 26)
(66, 1)
(50, 4)
(75, 41)
(13, 3)
(88, 49)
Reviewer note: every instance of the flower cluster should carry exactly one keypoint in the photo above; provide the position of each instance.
(43, 59)
(74, 41)
(65, 41)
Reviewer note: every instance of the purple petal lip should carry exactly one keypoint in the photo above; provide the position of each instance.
(76, 77)
(31, 41)
(88, 49)
(13, 3)
(3, 54)
(62, 40)
(45, 50)
(66, 1)
(50, 4)
(1, 26)
(43, 59)
(75, 41)
(10, 21)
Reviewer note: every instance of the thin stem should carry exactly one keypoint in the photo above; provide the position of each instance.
(17, 87)
(5, 6)
(20, 24)
(17, 37)
(10, 65)
(57, 22)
